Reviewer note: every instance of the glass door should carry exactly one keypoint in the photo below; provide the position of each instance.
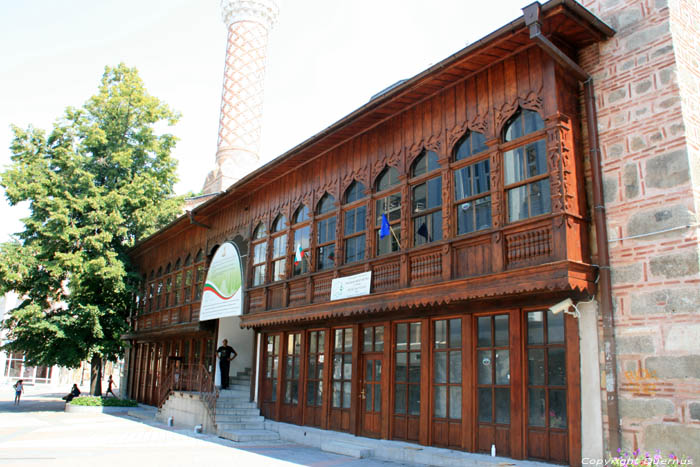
(270, 374)
(290, 391)
(371, 384)
(407, 372)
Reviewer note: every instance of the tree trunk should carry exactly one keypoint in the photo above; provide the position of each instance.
(96, 375)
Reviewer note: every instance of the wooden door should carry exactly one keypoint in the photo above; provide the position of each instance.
(371, 395)
(341, 380)
(407, 381)
(493, 384)
(446, 384)
(290, 410)
(270, 375)
(315, 364)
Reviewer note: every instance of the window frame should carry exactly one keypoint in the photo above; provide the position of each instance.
(456, 166)
(320, 217)
(394, 225)
(306, 252)
(423, 179)
(275, 233)
(359, 232)
(259, 238)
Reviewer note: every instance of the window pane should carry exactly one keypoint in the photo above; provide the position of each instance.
(420, 165)
(482, 181)
(336, 394)
(535, 366)
(379, 338)
(401, 366)
(455, 366)
(536, 406)
(348, 339)
(326, 257)
(377, 398)
(540, 199)
(484, 331)
(435, 231)
(389, 243)
(515, 128)
(311, 393)
(557, 409)
(414, 367)
(337, 367)
(502, 405)
(388, 178)
(415, 336)
(321, 338)
(259, 275)
(514, 169)
(484, 366)
(301, 237)
(400, 399)
(421, 231)
(367, 340)
(440, 367)
(420, 202)
(441, 334)
(440, 410)
(455, 402)
(463, 182)
(278, 269)
(378, 370)
(347, 366)
(502, 367)
(532, 121)
(517, 203)
(326, 204)
(465, 218)
(501, 325)
(485, 408)
(414, 399)
(260, 251)
(402, 336)
(535, 327)
(355, 249)
(355, 191)
(556, 366)
(432, 161)
(311, 373)
(434, 193)
(455, 333)
(346, 395)
(279, 246)
(535, 158)
(555, 328)
(368, 397)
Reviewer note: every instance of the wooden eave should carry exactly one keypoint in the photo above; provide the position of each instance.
(566, 20)
(545, 279)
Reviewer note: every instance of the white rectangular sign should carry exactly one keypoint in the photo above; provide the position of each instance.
(351, 286)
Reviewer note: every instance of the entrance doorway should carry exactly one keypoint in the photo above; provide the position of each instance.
(371, 394)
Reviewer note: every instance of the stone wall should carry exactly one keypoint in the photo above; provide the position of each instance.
(187, 410)
(648, 98)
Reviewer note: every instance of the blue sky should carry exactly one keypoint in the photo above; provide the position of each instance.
(326, 58)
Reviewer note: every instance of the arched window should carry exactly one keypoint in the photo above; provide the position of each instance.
(168, 284)
(355, 223)
(526, 177)
(426, 211)
(325, 233)
(177, 295)
(189, 274)
(151, 291)
(159, 288)
(301, 231)
(279, 248)
(472, 184)
(259, 254)
(199, 275)
(470, 144)
(388, 212)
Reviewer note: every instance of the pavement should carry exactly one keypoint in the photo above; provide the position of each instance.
(38, 432)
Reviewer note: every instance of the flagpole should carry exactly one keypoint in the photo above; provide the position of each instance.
(395, 237)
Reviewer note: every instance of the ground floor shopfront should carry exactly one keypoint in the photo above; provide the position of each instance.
(501, 377)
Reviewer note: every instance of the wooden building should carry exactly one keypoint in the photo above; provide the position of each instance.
(477, 166)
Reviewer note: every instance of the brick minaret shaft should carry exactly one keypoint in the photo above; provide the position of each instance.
(249, 23)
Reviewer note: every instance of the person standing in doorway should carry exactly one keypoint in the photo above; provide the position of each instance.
(19, 389)
(226, 354)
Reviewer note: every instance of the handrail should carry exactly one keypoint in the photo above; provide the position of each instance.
(190, 378)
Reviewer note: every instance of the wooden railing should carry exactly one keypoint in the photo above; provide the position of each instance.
(190, 378)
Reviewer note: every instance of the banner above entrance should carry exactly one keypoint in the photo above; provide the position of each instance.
(223, 294)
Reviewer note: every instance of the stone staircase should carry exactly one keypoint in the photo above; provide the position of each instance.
(237, 418)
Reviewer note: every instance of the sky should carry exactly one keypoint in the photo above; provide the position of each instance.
(326, 59)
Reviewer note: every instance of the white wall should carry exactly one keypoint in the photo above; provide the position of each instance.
(241, 340)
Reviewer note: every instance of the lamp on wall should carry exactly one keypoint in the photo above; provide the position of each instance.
(564, 306)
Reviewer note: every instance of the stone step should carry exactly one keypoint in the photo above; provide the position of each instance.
(240, 426)
(347, 449)
(241, 412)
(234, 392)
(235, 419)
(235, 404)
(249, 435)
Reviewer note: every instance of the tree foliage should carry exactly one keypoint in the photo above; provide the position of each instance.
(101, 180)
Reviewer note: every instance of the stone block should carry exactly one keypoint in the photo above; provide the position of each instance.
(630, 180)
(670, 102)
(678, 265)
(610, 189)
(667, 75)
(668, 170)
(637, 143)
(694, 409)
(661, 51)
(677, 129)
(681, 440)
(646, 36)
(656, 137)
(683, 337)
(630, 274)
(642, 86)
(617, 95)
(625, 18)
(685, 367)
(666, 301)
(634, 345)
(661, 4)
(645, 408)
(654, 220)
(614, 151)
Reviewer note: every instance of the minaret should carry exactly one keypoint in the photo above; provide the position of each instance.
(249, 23)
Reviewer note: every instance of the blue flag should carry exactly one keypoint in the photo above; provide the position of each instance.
(384, 231)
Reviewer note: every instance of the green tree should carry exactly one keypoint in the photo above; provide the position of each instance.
(97, 184)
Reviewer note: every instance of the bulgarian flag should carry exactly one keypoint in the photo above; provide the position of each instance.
(298, 254)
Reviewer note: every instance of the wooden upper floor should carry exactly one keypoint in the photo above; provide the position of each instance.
(466, 181)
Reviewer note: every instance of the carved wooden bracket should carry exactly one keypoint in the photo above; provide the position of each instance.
(531, 101)
(479, 123)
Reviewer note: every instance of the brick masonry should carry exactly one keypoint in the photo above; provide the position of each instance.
(647, 82)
